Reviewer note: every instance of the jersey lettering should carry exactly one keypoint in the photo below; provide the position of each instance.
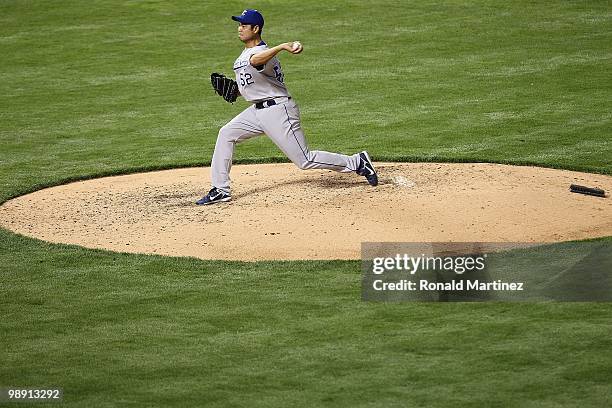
(279, 74)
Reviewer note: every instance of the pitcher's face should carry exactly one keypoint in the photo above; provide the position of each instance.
(247, 32)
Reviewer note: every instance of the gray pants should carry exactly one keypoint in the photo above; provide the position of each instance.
(281, 123)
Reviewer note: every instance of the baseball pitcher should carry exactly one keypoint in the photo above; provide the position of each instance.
(260, 81)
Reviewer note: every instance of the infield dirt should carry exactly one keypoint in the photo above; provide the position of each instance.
(280, 212)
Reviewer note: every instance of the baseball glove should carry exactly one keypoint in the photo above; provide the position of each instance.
(227, 88)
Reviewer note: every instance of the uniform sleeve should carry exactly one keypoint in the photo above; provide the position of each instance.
(255, 50)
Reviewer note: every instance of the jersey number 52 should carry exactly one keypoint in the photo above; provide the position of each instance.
(246, 79)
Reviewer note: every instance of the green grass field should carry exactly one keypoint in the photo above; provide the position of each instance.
(105, 87)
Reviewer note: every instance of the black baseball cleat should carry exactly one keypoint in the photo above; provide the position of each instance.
(366, 168)
(214, 196)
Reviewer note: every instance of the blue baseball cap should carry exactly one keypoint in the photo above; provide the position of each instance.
(250, 16)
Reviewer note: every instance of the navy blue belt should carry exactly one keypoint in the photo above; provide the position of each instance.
(266, 104)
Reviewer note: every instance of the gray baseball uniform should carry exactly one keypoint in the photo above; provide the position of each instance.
(273, 113)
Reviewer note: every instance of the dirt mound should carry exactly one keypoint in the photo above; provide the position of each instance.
(281, 212)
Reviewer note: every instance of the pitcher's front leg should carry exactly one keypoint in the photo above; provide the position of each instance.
(242, 127)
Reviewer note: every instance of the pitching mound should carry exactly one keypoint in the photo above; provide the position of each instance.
(281, 212)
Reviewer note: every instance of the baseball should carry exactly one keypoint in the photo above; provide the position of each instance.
(296, 45)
